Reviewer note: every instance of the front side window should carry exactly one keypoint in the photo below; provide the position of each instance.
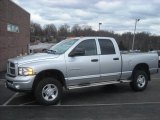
(89, 46)
(106, 46)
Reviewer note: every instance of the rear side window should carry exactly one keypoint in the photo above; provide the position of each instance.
(106, 46)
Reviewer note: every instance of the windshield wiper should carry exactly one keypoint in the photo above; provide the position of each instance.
(49, 51)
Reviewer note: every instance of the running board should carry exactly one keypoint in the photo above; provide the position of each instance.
(98, 84)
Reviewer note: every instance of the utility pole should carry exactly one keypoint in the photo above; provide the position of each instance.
(134, 33)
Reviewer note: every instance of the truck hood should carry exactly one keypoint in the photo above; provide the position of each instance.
(33, 58)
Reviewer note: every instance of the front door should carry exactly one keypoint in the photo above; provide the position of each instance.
(84, 69)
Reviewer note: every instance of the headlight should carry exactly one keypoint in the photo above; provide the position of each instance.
(25, 71)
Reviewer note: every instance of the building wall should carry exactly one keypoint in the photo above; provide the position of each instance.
(13, 44)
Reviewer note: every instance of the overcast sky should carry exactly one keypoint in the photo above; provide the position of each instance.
(115, 15)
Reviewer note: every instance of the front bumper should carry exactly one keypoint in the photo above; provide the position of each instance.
(20, 83)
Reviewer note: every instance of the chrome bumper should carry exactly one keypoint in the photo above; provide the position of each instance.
(20, 83)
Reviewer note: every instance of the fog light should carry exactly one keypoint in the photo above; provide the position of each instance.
(17, 86)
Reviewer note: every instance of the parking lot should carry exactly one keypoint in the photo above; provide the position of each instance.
(112, 102)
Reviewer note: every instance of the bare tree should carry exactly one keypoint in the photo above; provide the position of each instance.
(143, 41)
(50, 32)
(36, 31)
(87, 31)
(63, 31)
(76, 30)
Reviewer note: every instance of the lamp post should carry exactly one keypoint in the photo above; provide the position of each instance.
(134, 33)
(100, 25)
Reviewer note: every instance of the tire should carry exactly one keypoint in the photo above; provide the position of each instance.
(140, 81)
(48, 91)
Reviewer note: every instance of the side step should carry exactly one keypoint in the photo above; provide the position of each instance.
(98, 84)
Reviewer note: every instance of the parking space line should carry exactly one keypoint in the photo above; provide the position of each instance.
(10, 99)
(87, 105)
(155, 78)
(27, 103)
(59, 103)
(112, 104)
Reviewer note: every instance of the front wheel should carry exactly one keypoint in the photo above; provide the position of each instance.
(140, 81)
(48, 91)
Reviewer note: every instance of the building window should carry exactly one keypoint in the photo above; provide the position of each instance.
(12, 28)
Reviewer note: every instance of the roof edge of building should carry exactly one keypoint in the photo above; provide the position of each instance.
(19, 6)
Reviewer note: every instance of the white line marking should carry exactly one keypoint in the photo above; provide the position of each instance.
(10, 99)
(59, 103)
(86, 105)
(112, 104)
(155, 78)
(27, 103)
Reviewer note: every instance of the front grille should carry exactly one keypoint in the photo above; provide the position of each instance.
(11, 69)
(12, 65)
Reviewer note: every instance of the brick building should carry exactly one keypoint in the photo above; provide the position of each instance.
(14, 31)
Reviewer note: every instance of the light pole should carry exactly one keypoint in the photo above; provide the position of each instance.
(100, 25)
(134, 33)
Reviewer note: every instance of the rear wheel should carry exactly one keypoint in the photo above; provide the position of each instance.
(140, 81)
(48, 91)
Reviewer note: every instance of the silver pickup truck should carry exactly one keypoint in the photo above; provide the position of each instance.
(77, 63)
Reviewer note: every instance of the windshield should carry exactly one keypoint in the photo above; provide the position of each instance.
(62, 47)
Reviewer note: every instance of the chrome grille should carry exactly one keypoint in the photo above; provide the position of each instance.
(11, 69)
(12, 65)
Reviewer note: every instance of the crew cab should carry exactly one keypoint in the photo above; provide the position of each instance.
(78, 63)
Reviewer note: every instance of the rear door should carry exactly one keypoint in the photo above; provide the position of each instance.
(84, 69)
(110, 60)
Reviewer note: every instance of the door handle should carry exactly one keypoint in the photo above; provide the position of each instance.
(115, 58)
(94, 60)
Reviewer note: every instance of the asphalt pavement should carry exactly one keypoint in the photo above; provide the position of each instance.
(113, 102)
(101, 112)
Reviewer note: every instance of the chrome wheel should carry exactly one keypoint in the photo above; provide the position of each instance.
(50, 92)
(141, 81)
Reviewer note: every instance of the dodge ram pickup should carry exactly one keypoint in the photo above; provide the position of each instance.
(78, 63)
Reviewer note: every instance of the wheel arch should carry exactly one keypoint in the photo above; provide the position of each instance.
(144, 67)
(49, 73)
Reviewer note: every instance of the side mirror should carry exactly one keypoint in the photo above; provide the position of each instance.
(77, 52)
